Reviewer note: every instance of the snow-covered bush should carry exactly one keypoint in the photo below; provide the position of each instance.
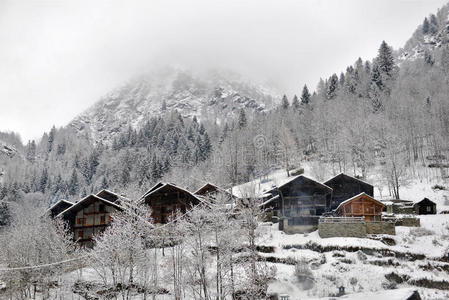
(420, 231)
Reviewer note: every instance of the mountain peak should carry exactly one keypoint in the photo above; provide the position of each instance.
(213, 95)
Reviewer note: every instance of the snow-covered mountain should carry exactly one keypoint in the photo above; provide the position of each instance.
(213, 95)
(427, 37)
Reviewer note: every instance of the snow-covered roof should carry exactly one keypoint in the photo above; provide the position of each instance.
(344, 174)
(157, 188)
(85, 199)
(262, 187)
(355, 197)
(270, 200)
(58, 203)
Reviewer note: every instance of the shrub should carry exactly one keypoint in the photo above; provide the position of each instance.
(419, 231)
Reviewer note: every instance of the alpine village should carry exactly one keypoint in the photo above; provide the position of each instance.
(185, 184)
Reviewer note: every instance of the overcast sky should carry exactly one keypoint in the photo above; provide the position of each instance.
(59, 57)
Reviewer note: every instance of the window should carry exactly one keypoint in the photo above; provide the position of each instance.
(428, 208)
(81, 221)
(102, 219)
(80, 234)
(102, 208)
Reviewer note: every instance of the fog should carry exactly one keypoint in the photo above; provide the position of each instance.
(59, 57)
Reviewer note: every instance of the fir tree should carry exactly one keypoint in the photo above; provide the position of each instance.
(284, 102)
(295, 102)
(305, 95)
(43, 180)
(242, 121)
(73, 187)
(385, 60)
(425, 26)
(31, 151)
(433, 28)
(51, 139)
(332, 87)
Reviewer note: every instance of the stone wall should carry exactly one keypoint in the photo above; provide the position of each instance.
(355, 229)
(342, 229)
(408, 221)
(380, 228)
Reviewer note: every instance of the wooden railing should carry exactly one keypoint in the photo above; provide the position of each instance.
(342, 220)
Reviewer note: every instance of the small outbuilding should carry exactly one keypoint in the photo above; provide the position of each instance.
(425, 207)
(361, 205)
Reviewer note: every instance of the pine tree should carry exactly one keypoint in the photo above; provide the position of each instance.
(242, 121)
(31, 151)
(425, 26)
(284, 102)
(164, 106)
(305, 95)
(332, 87)
(385, 60)
(295, 102)
(51, 139)
(206, 146)
(433, 28)
(73, 187)
(43, 180)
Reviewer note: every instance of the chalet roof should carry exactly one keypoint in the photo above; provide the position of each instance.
(213, 186)
(343, 174)
(86, 201)
(424, 200)
(260, 189)
(357, 196)
(59, 203)
(161, 185)
(306, 178)
(109, 192)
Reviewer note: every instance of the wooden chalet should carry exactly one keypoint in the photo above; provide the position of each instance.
(345, 187)
(361, 205)
(88, 217)
(298, 203)
(211, 191)
(167, 199)
(425, 207)
(59, 207)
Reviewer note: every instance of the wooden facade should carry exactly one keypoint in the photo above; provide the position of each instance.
(345, 187)
(89, 217)
(166, 200)
(425, 207)
(301, 201)
(362, 205)
(59, 207)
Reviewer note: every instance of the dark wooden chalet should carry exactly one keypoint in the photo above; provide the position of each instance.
(166, 199)
(345, 187)
(361, 205)
(211, 191)
(88, 217)
(298, 203)
(425, 207)
(58, 207)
